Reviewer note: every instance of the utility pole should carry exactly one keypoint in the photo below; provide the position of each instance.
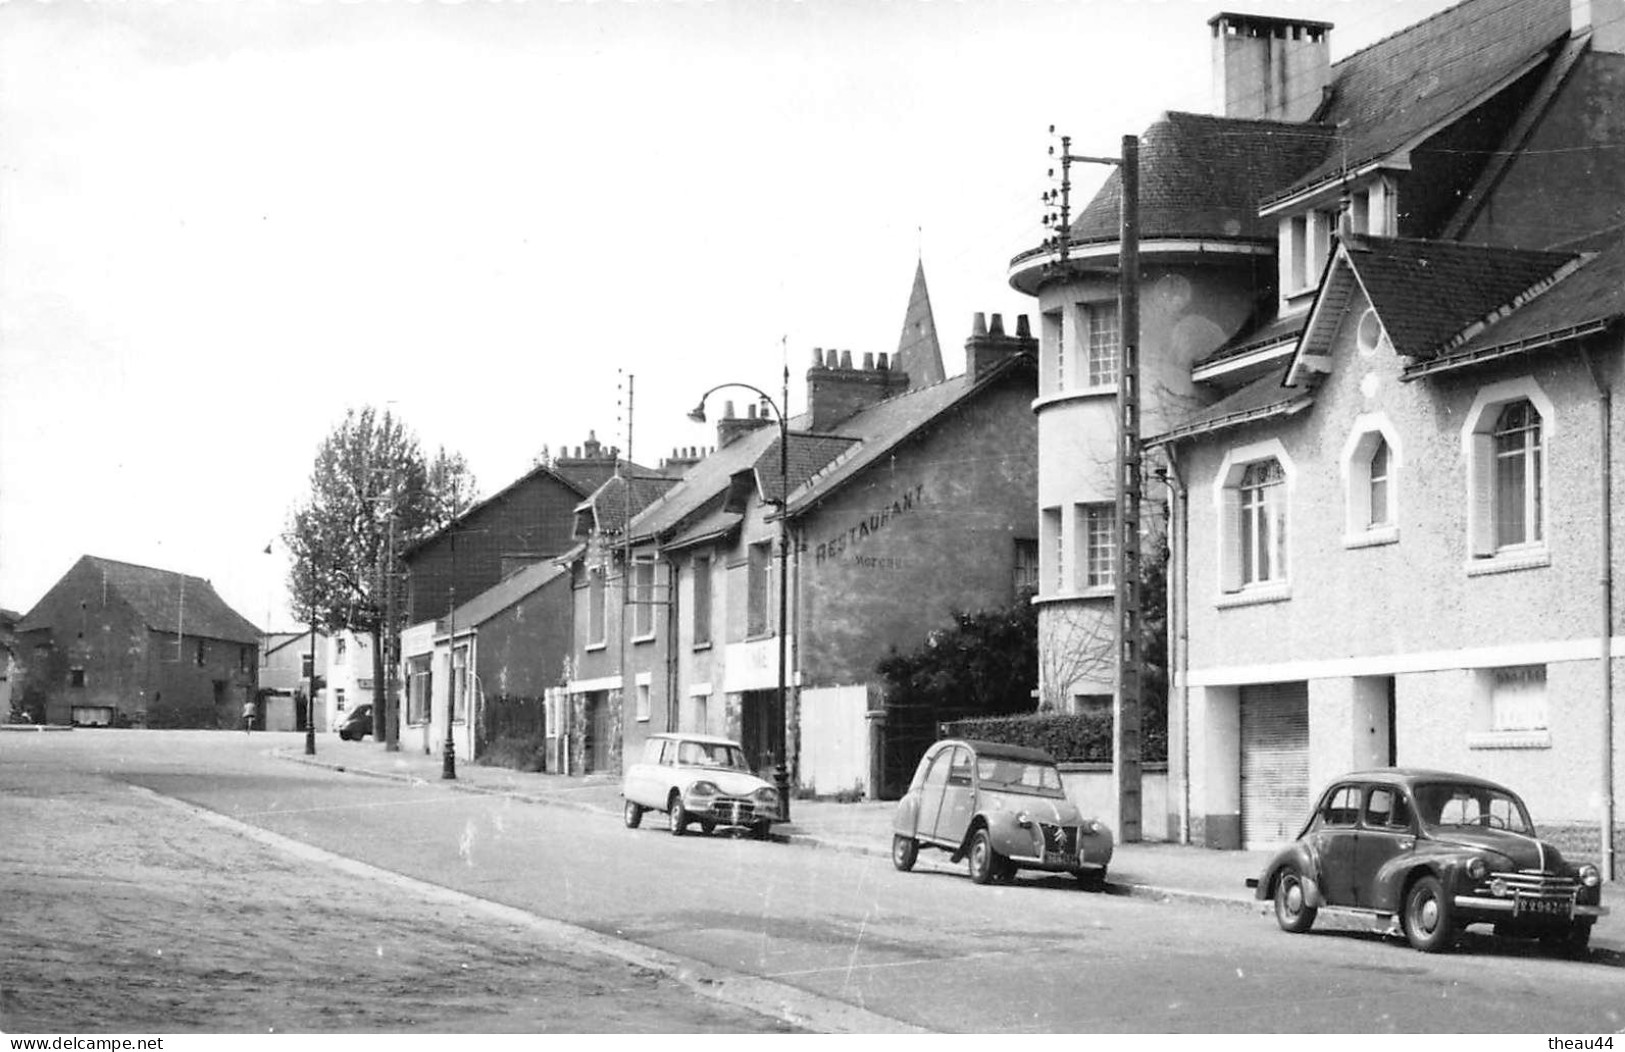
(1130, 658)
(1130, 636)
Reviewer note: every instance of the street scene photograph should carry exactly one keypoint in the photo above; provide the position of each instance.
(808, 517)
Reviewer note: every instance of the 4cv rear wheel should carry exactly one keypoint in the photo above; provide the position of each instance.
(1292, 910)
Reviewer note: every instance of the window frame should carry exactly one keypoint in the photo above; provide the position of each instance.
(759, 590)
(700, 619)
(643, 600)
(597, 607)
(1232, 587)
(1485, 551)
(1102, 344)
(1370, 432)
(1096, 544)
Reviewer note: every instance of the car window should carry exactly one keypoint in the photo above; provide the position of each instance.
(1342, 806)
(959, 772)
(651, 750)
(1020, 776)
(1385, 808)
(1446, 804)
(938, 774)
(668, 752)
(712, 754)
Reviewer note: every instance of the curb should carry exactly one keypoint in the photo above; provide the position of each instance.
(1603, 955)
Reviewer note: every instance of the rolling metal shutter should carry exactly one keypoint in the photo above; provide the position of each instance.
(1274, 762)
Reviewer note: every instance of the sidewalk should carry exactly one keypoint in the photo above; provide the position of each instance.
(1149, 869)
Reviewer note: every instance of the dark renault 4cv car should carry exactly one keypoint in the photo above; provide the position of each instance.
(1433, 852)
(1002, 808)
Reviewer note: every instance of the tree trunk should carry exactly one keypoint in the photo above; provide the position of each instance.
(385, 725)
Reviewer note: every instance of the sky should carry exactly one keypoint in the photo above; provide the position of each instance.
(223, 223)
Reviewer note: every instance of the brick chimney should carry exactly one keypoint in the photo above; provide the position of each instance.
(681, 460)
(730, 427)
(988, 345)
(835, 390)
(1269, 68)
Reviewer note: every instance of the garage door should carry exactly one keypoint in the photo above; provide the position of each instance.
(1274, 762)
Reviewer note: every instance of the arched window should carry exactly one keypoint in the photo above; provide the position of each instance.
(1516, 480)
(1262, 523)
(1379, 513)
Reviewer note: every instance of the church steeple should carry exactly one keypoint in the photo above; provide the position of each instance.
(918, 353)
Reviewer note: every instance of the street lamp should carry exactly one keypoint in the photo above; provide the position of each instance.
(781, 769)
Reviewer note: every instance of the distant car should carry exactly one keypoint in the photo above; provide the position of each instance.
(356, 724)
(1432, 852)
(1000, 807)
(698, 779)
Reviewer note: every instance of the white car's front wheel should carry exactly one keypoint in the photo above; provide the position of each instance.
(676, 816)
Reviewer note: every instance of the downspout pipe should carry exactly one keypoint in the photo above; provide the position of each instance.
(1605, 525)
(1178, 626)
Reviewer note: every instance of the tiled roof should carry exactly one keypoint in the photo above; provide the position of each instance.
(1593, 295)
(621, 497)
(168, 602)
(1204, 176)
(1426, 292)
(1386, 95)
(506, 593)
(1263, 398)
(808, 455)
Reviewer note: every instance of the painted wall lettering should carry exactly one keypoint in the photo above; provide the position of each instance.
(872, 523)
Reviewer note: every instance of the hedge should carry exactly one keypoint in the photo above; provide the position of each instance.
(1069, 737)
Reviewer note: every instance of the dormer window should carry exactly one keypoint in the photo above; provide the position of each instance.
(1306, 239)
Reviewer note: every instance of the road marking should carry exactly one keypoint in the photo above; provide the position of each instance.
(763, 995)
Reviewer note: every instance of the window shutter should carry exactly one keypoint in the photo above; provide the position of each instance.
(1230, 540)
(1481, 506)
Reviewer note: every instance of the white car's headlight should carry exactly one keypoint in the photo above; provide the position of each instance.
(766, 796)
(704, 789)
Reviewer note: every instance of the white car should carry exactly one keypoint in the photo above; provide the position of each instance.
(698, 778)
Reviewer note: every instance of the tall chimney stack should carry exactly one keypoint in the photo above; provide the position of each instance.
(1269, 68)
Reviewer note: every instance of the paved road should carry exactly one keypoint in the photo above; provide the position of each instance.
(926, 949)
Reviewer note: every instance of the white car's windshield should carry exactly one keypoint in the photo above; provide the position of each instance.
(1018, 776)
(1446, 805)
(710, 754)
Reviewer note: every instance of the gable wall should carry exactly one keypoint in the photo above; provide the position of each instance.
(1414, 595)
(917, 535)
(536, 516)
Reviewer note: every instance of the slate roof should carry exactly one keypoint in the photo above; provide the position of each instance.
(1590, 298)
(1394, 91)
(820, 463)
(1205, 176)
(1426, 292)
(881, 428)
(1274, 330)
(163, 600)
(1262, 399)
(505, 593)
(701, 484)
